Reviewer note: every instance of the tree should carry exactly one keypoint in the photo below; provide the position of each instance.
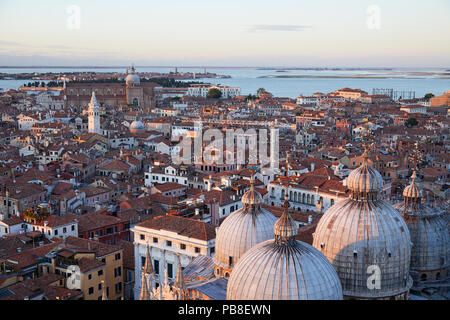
(411, 122)
(260, 91)
(428, 96)
(214, 93)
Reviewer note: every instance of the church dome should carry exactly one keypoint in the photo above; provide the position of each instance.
(252, 197)
(242, 230)
(411, 191)
(132, 79)
(284, 269)
(137, 126)
(362, 235)
(430, 253)
(364, 179)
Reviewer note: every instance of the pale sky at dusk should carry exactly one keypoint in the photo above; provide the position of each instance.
(226, 33)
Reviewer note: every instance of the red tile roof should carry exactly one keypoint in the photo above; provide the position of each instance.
(183, 226)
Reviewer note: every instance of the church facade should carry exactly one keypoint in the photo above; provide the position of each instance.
(132, 92)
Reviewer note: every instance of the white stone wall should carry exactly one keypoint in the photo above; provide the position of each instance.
(163, 253)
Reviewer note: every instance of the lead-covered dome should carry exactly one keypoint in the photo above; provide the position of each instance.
(242, 230)
(364, 179)
(427, 224)
(284, 269)
(412, 192)
(363, 236)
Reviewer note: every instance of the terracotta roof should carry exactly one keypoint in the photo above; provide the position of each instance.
(116, 165)
(96, 220)
(305, 233)
(87, 264)
(169, 186)
(56, 221)
(12, 221)
(183, 226)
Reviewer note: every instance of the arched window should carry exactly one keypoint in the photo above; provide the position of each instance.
(303, 198)
(135, 102)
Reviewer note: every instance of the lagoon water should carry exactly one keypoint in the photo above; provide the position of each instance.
(250, 79)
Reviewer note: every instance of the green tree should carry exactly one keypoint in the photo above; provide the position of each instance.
(428, 96)
(260, 91)
(411, 122)
(214, 93)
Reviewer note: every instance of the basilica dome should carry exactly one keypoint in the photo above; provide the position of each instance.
(284, 269)
(365, 179)
(241, 230)
(365, 235)
(137, 126)
(132, 78)
(430, 253)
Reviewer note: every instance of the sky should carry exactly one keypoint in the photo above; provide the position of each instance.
(288, 33)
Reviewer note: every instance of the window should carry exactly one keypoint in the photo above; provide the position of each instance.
(156, 266)
(155, 240)
(142, 261)
(142, 237)
(90, 276)
(73, 227)
(168, 243)
(56, 232)
(118, 287)
(100, 272)
(182, 246)
(170, 270)
(100, 286)
(91, 290)
(212, 250)
(197, 250)
(117, 272)
(64, 230)
(117, 256)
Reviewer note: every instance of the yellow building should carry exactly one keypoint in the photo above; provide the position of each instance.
(439, 101)
(88, 265)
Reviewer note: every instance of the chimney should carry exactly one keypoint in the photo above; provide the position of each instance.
(313, 166)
